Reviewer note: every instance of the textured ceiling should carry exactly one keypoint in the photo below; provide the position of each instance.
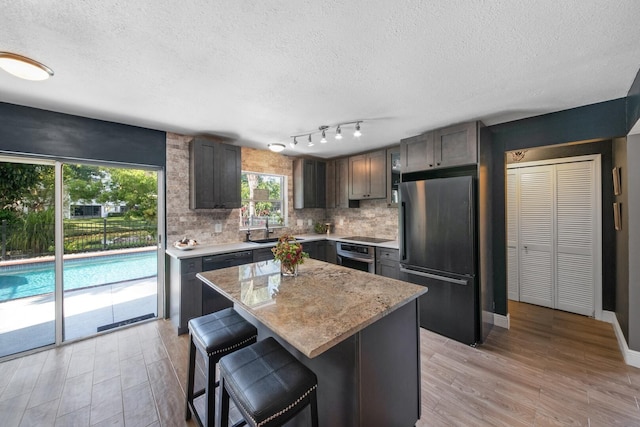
(260, 71)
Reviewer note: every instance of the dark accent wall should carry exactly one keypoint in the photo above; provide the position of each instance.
(633, 103)
(608, 236)
(622, 239)
(28, 130)
(605, 120)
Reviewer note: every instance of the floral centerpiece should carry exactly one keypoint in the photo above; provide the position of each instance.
(289, 252)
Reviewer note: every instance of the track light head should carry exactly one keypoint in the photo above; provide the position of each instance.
(324, 138)
(338, 133)
(310, 141)
(357, 132)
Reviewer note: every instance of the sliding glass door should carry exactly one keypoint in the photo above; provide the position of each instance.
(110, 253)
(80, 252)
(27, 255)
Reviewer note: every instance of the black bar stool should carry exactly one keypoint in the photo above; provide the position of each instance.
(268, 385)
(214, 335)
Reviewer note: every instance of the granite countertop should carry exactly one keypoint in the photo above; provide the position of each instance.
(205, 250)
(322, 306)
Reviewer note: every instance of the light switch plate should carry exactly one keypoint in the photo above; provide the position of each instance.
(218, 228)
(310, 222)
(341, 221)
(299, 223)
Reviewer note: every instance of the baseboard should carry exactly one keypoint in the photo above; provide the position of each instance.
(631, 357)
(501, 321)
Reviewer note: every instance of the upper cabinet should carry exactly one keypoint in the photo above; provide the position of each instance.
(393, 175)
(215, 170)
(309, 183)
(451, 146)
(368, 176)
(338, 183)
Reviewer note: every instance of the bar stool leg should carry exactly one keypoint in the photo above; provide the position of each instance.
(191, 377)
(223, 405)
(314, 408)
(211, 392)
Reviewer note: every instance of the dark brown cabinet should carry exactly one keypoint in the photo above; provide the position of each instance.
(185, 297)
(393, 176)
(447, 147)
(338, 184)
(215, 170)
(387, 263)
(368, 176)
(309, 183)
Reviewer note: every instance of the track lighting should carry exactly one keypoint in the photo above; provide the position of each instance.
(357, 132)
(23, 67)
(322, 130)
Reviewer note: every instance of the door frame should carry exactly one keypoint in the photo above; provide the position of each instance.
(597, 162)
(59, 236)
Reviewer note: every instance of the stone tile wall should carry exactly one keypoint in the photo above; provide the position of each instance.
(373, 219)
(200, 224)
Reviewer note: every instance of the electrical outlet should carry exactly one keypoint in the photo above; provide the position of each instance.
(299, 223)
(218, 228)
(309, 222)
(341, 222)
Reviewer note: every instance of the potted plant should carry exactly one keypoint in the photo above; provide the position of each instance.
(289, 252)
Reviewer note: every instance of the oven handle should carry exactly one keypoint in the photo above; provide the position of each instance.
(366, 260)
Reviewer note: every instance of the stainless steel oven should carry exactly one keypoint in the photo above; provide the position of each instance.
(359, 257)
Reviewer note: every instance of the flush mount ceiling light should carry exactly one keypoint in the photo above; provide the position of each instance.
(276, 148)
(23, 67)
(323, 131)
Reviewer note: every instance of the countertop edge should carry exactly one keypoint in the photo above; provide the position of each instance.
(223, 248)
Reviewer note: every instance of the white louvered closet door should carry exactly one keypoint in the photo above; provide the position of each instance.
(536, 230)
(513, 287)
(575, 242)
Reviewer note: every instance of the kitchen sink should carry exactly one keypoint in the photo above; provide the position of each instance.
(269, 240)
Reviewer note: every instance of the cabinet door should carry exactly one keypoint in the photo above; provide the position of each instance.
(190, 298)
(393, 176)
(358, 177)
(388, 269)
(416, 153)
(330, 252)
(229, 169)
(309, 185)
(202, 174)
(342, 183)
(321, 184)
(331, 190)
(378, 174)
(456, 145)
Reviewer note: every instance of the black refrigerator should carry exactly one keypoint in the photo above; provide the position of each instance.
(438, 250)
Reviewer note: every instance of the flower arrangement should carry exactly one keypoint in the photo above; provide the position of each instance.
(289, 252)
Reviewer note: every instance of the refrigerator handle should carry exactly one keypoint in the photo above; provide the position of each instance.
(403, 234)
(433, 276)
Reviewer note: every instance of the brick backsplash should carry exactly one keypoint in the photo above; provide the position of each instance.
(200, 224)
(373, 219)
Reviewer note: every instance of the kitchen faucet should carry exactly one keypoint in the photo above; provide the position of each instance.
(266, 230)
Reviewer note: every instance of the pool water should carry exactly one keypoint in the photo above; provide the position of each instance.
(39, 278)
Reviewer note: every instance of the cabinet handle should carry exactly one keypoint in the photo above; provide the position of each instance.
(438, 163)
(430, 165)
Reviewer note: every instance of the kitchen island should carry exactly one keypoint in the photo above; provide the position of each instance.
(358, 332)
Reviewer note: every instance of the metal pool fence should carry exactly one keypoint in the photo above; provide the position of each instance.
(21, 241)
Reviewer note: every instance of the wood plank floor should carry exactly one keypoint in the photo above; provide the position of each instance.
(550, 368)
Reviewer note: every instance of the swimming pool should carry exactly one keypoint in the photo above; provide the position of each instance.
(38, 278)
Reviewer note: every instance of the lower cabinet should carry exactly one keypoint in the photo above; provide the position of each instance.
(330, 253)
(188, 297)
(262, 254)
(387, 263)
